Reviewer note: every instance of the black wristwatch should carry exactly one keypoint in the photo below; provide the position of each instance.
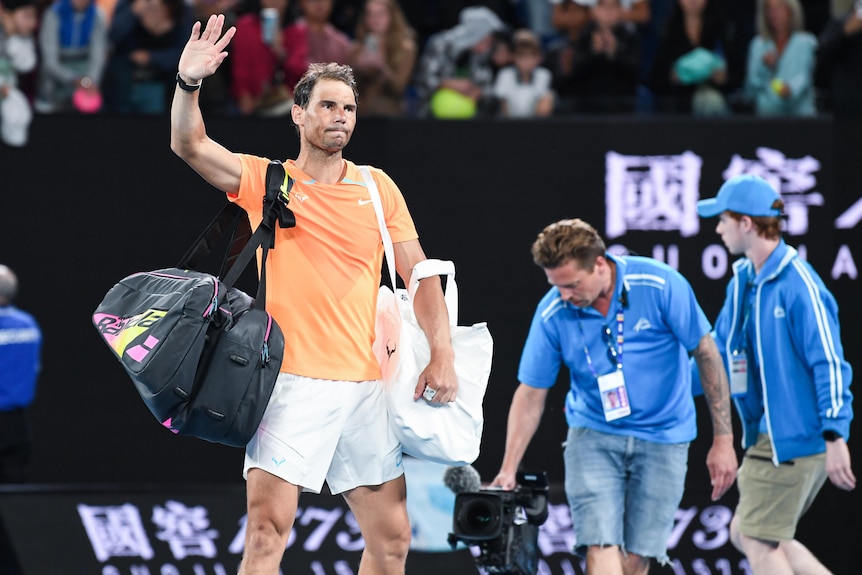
(830, 435)
(188, 87)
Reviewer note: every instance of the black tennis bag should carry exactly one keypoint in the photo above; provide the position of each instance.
(203, 355)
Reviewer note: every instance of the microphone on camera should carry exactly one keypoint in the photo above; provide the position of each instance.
(462, 479)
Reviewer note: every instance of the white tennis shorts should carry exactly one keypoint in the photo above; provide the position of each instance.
(315, 429)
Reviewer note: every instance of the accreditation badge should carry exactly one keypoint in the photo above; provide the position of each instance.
(615, 400)
(738, 373)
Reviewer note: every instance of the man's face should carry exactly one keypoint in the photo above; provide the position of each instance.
(731, 233)
(328, 121)
(578, 286)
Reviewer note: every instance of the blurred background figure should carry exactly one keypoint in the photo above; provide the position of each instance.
(840, 58)
(20, 348)
(326, 43)
(606, 64)
(147, 37)
(781, 58)
(18, 22)
(346, 15)
(455, 76)
(73, 40)
(269, 54)
(690, 71)
(633, 11)
(568, 19)
(383, 58)
(524, 88)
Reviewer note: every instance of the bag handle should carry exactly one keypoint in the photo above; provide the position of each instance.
(429, 268)
(278, 184)
(421, 270)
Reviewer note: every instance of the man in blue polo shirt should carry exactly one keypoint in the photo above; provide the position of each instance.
(623, 326)
(20, 344)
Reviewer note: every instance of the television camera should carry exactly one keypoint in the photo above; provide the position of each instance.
(504, 525)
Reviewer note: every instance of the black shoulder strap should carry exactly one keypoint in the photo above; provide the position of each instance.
(243, 243)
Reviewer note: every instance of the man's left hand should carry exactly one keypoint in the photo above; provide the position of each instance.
(722, 464)
(838, 465)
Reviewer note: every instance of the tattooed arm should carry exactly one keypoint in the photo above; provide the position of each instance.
(721, 459)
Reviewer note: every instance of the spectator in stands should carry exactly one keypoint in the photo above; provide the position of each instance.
(217, 98)
(606, 62)
(147, 37)
(266, 63)
(781, 59)
(524, 88)
(689, 72)
(840, 57)
(346, 15)
(502, 50)
(569, 19)
(455, 76)
(634, 11)
(326, 43)
(18, 22)
(383, 58)
(73, 39)
(20, 348)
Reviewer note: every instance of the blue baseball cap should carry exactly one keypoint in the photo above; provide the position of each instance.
(746, 194)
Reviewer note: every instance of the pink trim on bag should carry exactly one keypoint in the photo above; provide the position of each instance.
(268, 326)
(167, 423)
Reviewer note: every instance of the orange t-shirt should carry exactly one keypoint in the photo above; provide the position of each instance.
(323, 276)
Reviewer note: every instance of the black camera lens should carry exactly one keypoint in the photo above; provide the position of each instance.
(478, 516)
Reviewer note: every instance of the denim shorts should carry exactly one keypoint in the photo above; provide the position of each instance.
(623, 491)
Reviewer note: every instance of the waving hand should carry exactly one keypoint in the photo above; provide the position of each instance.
(205, 51)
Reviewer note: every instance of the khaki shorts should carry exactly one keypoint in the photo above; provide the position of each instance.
(772, 499)
(315, 430)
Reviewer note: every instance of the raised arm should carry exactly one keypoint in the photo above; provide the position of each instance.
(201, 57)
(721, 459)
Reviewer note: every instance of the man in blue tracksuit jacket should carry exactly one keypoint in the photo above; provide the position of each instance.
(779, 335)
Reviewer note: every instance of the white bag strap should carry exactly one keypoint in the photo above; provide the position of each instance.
(423, 269)
(388, 250)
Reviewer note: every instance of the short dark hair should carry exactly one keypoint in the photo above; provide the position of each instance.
(566, 240)
(315, 72)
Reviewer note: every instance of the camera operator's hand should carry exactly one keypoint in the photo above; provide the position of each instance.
(504, 480)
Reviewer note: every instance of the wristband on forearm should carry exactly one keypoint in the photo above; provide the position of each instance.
(188, 87)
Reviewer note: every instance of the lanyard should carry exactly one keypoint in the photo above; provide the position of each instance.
(615, 349)
(748, 303)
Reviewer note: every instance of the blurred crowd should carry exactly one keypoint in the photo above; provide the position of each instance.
(441, 59)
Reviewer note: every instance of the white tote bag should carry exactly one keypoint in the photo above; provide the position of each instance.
(450, 433)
